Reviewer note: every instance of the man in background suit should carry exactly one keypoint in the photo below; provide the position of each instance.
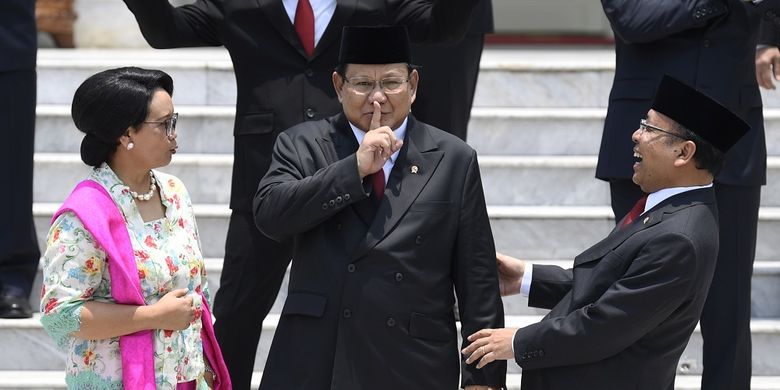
(19, 253)
(691, 40)
(623, 315)
(283, 53)
(446, 91)
(370, 300)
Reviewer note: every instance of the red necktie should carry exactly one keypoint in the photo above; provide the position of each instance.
(304, 25)
(639, 207)
(378, 184)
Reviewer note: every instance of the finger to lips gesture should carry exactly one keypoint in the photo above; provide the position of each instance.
(378, 145)
(489, 345)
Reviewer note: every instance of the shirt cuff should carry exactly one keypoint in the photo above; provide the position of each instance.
(525, 283)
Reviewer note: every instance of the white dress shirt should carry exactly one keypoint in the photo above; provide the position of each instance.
(400, 132)
(323, 12)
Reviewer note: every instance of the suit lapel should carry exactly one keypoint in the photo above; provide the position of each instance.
(277, 15)
(645, 221)
(405, 183)
(332, 34)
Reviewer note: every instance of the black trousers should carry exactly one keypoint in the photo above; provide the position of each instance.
(448, 78)
(252, 273)
(725, 320)
(19, 253)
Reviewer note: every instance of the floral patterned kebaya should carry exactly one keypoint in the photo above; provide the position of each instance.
(168, 257)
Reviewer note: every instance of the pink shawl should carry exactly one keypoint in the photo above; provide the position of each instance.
(100, 215)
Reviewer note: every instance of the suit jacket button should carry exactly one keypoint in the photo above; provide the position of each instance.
(310, 113)
(324, 206)
(391, 322)
(347, 313)
(308, 72)
(332, 203)
(418, 240)
(347, 197)
(339, 199)
(351, 268)
(541, 353)
(399, 276)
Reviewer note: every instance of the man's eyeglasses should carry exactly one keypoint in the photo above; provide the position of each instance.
(170, 124)
(644, 126)
(364, 86)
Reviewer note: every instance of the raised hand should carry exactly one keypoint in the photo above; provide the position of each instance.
(378, 145)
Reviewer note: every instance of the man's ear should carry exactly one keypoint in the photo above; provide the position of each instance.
(338, 83)
(685, 153)
(414, 80)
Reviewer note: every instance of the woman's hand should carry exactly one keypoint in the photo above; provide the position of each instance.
(174, 310)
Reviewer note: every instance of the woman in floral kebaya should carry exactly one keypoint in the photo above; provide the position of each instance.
(124, 289)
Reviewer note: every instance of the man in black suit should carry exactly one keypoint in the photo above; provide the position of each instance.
(19, 251)
(691, 40)
(283, 75)
(623, 315)
(370, 302)
(450, 72)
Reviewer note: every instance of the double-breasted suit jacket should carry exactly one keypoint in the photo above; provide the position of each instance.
(370, 299)
(278, 85)
(622, 316)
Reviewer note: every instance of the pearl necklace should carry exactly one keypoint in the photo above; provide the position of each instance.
(148, 195)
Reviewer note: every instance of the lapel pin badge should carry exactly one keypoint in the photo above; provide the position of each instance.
(646, 219)
(414, 169)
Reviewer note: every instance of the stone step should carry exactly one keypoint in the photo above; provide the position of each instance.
(51, 380)
(531, 232)
(765, 289)
(513, 77)
(28, 334)
(492, 130)
(507, 180)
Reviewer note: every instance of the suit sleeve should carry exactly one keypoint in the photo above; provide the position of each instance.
(433, 21)
(656, 283)
(476, 278)
(549, 285)
(769, 33)
(165, 26)
(650, 20)
(289, 202)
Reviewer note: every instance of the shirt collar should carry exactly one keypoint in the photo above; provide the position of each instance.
(659, 196)
(400, 132)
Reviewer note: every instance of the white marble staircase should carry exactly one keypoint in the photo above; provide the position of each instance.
(536, 124)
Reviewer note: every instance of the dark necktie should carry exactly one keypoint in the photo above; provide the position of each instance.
(635, 212)
(378, 186)
(304, 25)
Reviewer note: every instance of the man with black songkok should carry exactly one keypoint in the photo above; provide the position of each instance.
(388, 217)
(622, 316)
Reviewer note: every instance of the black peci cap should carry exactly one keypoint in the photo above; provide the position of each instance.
(699, 113)
(374, 45)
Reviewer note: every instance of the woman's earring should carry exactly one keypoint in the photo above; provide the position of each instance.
(130, 146)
